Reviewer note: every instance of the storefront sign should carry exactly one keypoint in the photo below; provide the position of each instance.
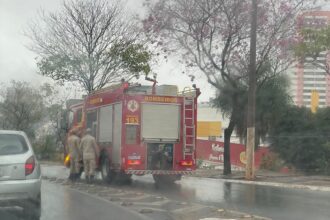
(213, 151)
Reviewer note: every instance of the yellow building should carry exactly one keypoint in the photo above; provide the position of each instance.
(210, 122)
(209, 129)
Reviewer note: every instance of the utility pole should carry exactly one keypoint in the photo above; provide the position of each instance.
(249, 171)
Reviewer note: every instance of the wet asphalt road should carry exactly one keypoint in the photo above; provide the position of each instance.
(272, 202)
(63, 203)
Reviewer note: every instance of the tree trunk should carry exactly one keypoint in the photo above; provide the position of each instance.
(227, 166)
(250, 143)
(228, 132)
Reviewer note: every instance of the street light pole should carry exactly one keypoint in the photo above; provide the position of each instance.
(249, 171)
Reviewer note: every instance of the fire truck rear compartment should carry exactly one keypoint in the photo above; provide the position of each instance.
(160, 156)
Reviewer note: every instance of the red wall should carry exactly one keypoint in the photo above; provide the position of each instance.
(213, 151)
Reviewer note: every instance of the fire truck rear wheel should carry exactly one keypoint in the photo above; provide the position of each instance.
(106, 173)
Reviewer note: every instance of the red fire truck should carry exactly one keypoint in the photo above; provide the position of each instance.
(141, 129)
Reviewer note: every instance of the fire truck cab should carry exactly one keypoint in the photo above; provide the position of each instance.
(141, 129)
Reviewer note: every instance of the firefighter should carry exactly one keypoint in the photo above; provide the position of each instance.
(90, 152)
(75, 154)
(156, 156)
(167, 158)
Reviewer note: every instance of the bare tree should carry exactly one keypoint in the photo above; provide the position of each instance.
(91, 42)
(21, 107)
(214, 36)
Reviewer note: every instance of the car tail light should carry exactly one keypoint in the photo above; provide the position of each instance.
(29, 165)
(186, 162)
(134, 162)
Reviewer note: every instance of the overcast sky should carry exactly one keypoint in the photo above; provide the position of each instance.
(18, 63)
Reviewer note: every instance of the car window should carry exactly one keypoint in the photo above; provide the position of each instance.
(12, 144)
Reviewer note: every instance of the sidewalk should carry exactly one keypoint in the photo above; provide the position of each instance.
(291, 180)
(263, 177)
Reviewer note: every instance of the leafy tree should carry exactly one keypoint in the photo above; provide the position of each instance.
(312, 44)
(21, 107)
(45, 146)
(213, 35)
(272, 97)
(301, 138)
(89, 42)
(323, 120)
(135, 59)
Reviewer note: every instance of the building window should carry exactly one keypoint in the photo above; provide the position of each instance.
(308, 73)
(306, 79)
(70, 119)
(309, 103)
(309, 97)
(131, 134)
(314, 85)
(79, 115)
(92, 122)
(308, 91)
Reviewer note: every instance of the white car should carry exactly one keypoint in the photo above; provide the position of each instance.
(20, 176)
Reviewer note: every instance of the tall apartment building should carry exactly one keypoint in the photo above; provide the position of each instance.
(308, 77)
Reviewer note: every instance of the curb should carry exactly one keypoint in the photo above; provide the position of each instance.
(281, 185)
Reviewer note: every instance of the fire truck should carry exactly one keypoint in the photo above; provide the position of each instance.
(140, 129)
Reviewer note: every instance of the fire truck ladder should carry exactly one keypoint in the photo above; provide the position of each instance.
(189, 127)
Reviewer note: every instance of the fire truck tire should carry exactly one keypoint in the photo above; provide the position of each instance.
(107, 174)
(166, 179)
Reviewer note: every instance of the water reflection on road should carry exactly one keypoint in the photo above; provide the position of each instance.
(272, 202)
